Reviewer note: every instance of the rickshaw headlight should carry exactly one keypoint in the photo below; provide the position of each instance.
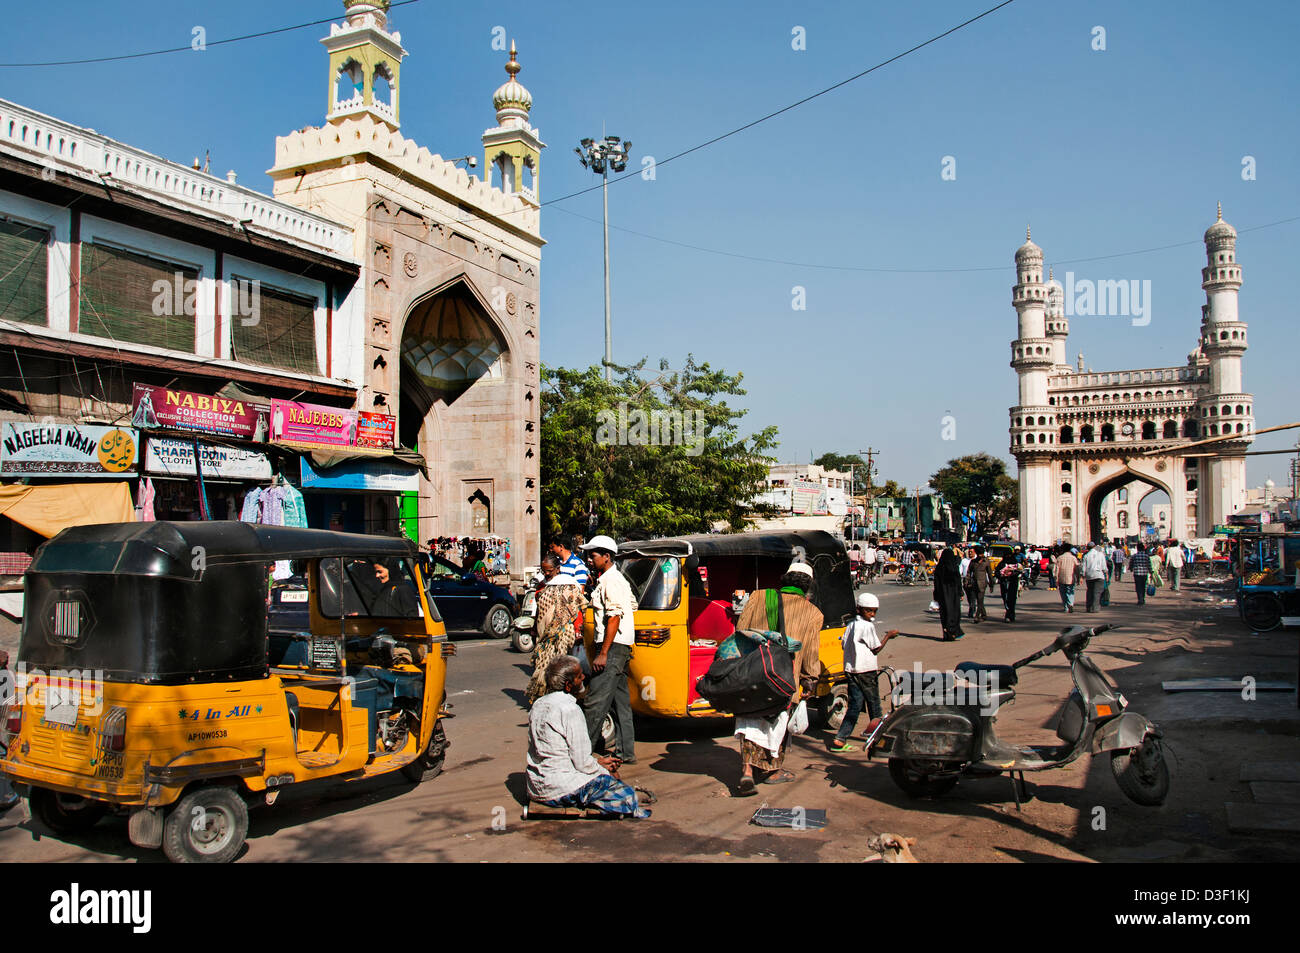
(656, 635)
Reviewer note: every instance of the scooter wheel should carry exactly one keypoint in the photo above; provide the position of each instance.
(522, 641)
(1142, 773)
(915, 781)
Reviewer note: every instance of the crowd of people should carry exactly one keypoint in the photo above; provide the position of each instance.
(573, 688)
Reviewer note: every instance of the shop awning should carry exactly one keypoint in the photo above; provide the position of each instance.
(49, 509)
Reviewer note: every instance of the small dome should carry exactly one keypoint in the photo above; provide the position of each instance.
(1029, 251)
(1220, 229)
(512, 96)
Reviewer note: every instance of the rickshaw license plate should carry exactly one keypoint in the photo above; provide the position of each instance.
(295, 595)
(61, 704)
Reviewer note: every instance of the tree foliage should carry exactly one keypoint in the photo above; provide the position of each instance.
(609, 465)
(979, 483)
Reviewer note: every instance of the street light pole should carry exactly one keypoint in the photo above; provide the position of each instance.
(609, 333)
(600, 157)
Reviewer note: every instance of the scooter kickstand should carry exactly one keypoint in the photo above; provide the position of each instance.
(1016, 786)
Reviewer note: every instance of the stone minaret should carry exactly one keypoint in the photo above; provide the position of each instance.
(1225, 408)
(1058, 325)
(512, 150)
(365, 63)
(1033, 420)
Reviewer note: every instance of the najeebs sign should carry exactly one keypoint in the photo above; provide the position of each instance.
(176, 458)
(55, 449)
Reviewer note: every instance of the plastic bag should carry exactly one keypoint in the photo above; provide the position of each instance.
(1151, 590)
(798, 720)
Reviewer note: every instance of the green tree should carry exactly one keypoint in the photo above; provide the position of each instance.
(979, 484)
(660, 455)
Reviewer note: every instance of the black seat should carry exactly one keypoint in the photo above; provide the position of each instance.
(1006, 675)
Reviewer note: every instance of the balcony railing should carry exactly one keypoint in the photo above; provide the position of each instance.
(62, 147)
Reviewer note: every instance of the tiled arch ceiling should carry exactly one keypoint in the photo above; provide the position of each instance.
(450, 343)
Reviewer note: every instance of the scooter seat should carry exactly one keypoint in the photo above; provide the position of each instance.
(1006, 675)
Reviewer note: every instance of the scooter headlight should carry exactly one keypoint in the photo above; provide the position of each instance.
(1123, 702)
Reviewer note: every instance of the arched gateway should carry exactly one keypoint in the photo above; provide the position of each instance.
(1079, 435)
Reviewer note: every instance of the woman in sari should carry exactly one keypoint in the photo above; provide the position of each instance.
(1158, 567)
(560, 604)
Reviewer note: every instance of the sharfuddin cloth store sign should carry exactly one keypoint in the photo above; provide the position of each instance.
(51, 449)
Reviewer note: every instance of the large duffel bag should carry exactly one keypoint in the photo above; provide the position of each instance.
(758, 683)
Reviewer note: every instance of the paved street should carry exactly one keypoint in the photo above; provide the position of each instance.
(692, 767)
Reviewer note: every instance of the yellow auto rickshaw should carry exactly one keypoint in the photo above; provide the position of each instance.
(147, 683)
(686, 589)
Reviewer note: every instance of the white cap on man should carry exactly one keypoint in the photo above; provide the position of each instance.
(600, 542)
(801, 567)
(867, 600)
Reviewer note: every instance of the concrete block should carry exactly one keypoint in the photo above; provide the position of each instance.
(1263, 818)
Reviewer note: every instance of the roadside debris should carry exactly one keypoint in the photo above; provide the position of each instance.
(795, 818)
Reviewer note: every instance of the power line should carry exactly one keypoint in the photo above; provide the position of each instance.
(186, 49)
(904, 271)
(795, 105)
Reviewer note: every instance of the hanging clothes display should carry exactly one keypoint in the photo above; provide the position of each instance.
(144, 512)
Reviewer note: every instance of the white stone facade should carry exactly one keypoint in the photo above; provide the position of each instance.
(1079, 435)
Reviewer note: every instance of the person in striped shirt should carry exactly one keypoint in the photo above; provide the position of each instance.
(1139, 565)
(570, 563)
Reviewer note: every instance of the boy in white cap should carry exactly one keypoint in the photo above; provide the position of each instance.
(861, 643)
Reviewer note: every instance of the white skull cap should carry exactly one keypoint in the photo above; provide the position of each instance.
(801, 567)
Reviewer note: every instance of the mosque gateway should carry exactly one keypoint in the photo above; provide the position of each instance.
(1082, 438)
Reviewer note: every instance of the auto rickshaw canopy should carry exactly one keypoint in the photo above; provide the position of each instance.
(168, 603)
(772, 552)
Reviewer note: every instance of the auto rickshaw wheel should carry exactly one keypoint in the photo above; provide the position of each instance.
(832, 708)
(207, 826)
(66, 813)
(1262, 611)
(429, 764)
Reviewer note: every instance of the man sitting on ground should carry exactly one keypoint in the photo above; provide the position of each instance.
(562, 772)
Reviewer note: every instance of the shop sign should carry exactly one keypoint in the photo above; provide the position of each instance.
(176, 458)
(386, 476)
(313, 425)
(376, 430)
(203, 413)
(56, 449)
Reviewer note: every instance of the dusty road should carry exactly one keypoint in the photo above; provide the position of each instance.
(1077, 813)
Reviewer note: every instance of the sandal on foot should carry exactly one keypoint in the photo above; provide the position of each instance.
(746, 788)
(779, 777)
(842, 746)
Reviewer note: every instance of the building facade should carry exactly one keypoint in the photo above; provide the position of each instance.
(449, 285)
(380, 290)
(1079, 436)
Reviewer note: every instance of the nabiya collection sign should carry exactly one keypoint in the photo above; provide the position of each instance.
(53, 449)
(202, 413)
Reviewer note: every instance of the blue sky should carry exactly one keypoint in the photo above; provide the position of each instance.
(1103, 152)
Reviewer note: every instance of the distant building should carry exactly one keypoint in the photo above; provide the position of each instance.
(898, 515)
(805, 496)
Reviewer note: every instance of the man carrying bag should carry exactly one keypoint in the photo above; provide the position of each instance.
(762, 730)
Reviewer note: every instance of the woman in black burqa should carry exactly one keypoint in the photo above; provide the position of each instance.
(947, 592)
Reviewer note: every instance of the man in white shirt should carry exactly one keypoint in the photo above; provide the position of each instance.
(861, 643)
(561, 770)
(615, 606)
(1174, 559)
(1095, 571)
(869, 556)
